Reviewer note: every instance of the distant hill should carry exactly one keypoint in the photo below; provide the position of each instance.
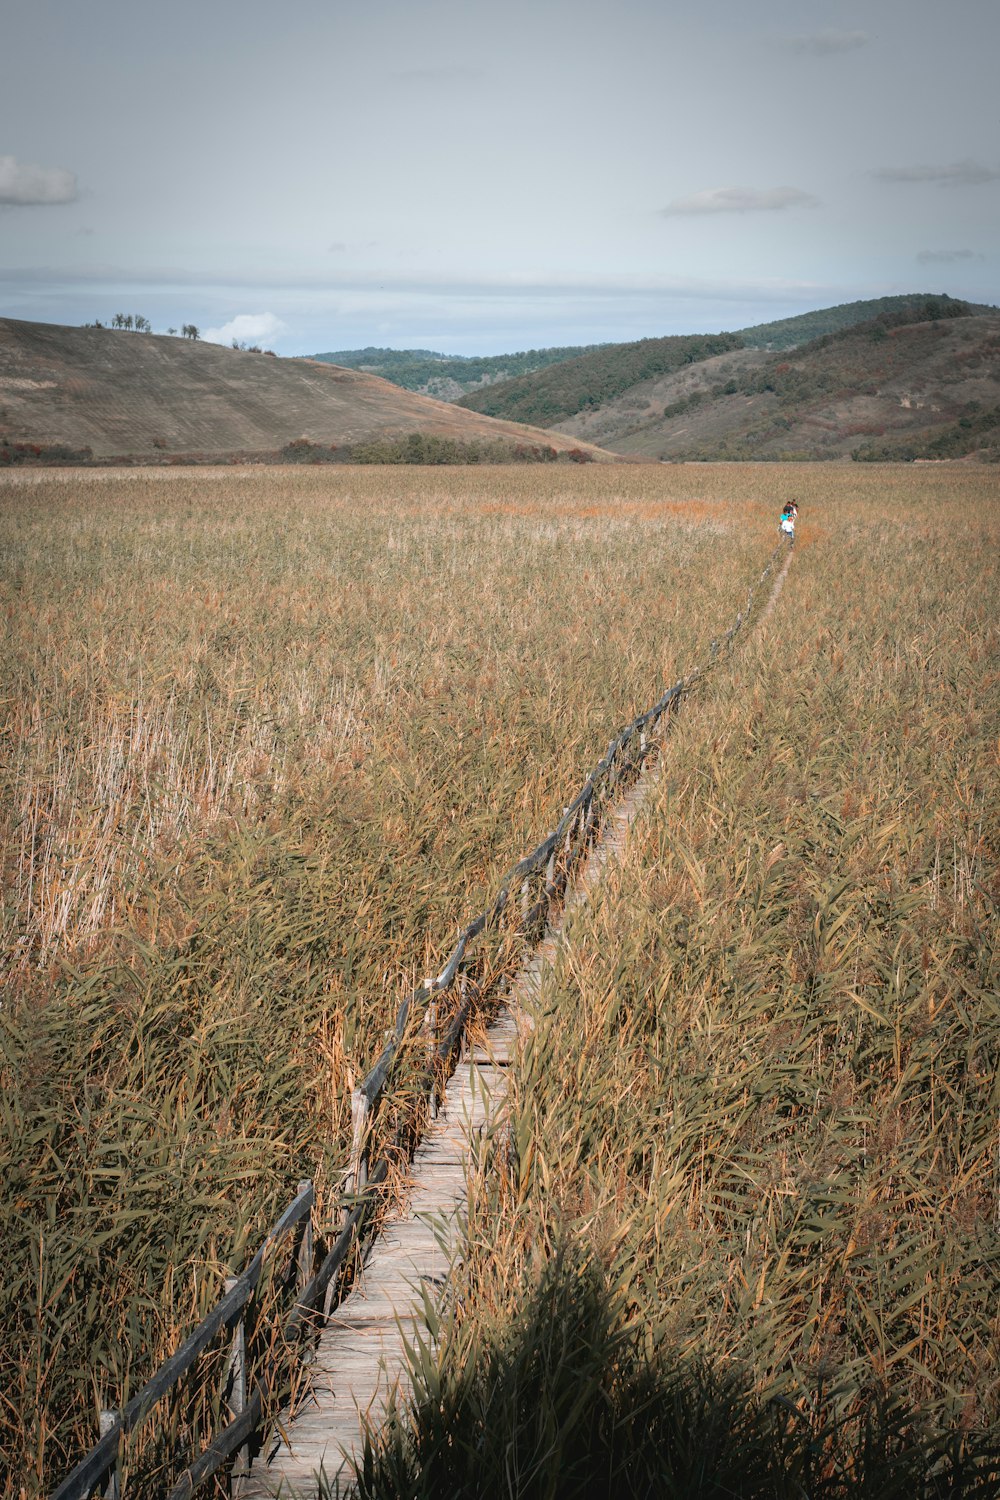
(448, 376)
(788, 333)
(79, 393)
(551, 396)
(920, 382)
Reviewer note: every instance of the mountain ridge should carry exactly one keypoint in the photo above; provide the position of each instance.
(556, 396)
(449, 377)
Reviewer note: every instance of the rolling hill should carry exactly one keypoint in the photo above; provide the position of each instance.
(81, 394)
(789, 333)
(449, 377)
(551, 396)
(922, 381)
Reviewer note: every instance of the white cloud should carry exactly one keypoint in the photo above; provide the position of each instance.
(737, 200)
(22, 183)
(828, 43)
(247, 328)
(966, 173)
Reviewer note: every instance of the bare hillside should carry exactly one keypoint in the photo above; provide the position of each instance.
(151, 397)
(639, 411)
(920, 389)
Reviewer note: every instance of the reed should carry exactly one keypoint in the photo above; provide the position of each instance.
(742, 1238)
(270, 739)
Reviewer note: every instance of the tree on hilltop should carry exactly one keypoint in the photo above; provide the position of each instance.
(132, 322)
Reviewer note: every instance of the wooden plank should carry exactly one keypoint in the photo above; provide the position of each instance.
(359, 1359)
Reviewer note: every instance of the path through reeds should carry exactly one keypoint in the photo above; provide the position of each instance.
(746, 1242)
(268, 739)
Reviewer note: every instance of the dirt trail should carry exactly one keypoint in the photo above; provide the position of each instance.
(779, 584)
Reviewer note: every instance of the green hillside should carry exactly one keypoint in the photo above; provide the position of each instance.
(432, 374)
(920, 382)
(451, 377)
(789, 333)
(555, 395)
(552, 395)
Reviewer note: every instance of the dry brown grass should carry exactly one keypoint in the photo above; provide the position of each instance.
(754, 1134)
(154, 398)
(270, 740)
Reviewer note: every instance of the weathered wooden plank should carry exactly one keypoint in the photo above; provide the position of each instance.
(360, 1359)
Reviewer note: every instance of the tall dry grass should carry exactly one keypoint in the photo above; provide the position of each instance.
(269, 739)
(744, 1237)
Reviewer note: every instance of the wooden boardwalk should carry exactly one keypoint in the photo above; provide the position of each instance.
(361, 1358)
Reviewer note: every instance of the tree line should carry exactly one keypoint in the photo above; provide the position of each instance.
(136, 323)
(789, 333)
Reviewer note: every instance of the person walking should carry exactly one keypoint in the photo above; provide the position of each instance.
(788, 514)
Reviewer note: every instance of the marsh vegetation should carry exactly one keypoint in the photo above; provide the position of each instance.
(270, 738)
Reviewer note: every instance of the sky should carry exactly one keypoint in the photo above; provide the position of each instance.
(481, 178)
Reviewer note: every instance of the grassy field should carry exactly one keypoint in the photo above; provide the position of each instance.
(743, 1239)
(269, 738)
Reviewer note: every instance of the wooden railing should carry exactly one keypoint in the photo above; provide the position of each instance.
(524, 901)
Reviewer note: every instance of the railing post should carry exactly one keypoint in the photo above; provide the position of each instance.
(113, 1487)
(430, 1026)
(463, 1044)
(236, 1383)
(357, 1172)
(306, 1245)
